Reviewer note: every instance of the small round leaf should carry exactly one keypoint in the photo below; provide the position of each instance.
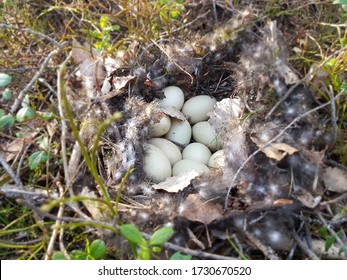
(5, 80)
(6, 122)
(98, 249)
(7, 94)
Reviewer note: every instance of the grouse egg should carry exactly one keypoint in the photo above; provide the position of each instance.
(187, 165)
(161, 127)
(216, 160)
(173, 97)
(196, 108)
(197, 152)
(204, 134)
(155, 164)
(169, 149)
(180, 132)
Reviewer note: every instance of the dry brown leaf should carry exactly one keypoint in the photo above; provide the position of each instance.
(276, 151)
(194, 209)
(173, 112)
(177, 183)
(97, 210)
(308, 199)
(335, 179)
(11, 149)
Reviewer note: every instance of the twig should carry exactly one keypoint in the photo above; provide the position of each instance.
(335, 200)
(9, 170)
(267, 251)
(61, 243)
(22, 94)
(306, 78)
(39, 34)
(169, 57)
(330, 93)
(58, 222)
(61, 85)
(22, 159)
(43, 81)
(304, 247)
(333, 233)
(271, 141)
(198, 254)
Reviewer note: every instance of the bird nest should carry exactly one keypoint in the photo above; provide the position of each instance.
(272, 176)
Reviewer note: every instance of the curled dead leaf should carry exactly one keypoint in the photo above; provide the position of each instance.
(173, 112)
(177, 183)
(195, 209)
(276, 151)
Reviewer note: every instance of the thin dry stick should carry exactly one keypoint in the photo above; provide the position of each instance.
(58, 222)
(271, 141)
(198, 254)
(22, 94)
(333, 233)
(335, 200)
(61, 85)
(168, 56)
(39, 34)
(306, 78)
(304, 247)
(9, 170)
(330, 93)
(61, 243)
(267, 251)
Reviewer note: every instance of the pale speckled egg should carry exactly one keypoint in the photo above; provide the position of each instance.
(180, 132)
(161, 127)
(216, 160)
(196, 108)
(155, 164)
(204, 134)
(197, 152)
(174, 97)
(187, 165)
(169, 149)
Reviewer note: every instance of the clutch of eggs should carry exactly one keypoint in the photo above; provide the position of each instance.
(170, 151)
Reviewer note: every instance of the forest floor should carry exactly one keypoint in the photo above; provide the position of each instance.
(81, 84)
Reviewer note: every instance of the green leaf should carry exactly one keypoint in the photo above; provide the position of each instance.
(25, 113)
(47, 116)
(98, 249)
(156, 249)
(26, 101)
(323, 232)
(329, 242)
(340, 2)
(7, 94)
(115, 27)
(6, 122)
(331, 62)
(160, 236)
(37, 158)
(178, 256)
(58, 256)
(78, 255)
(43, 143)
(103, 21)
(1, 113)
(132, 234)
(5, 80)
(145, 253)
